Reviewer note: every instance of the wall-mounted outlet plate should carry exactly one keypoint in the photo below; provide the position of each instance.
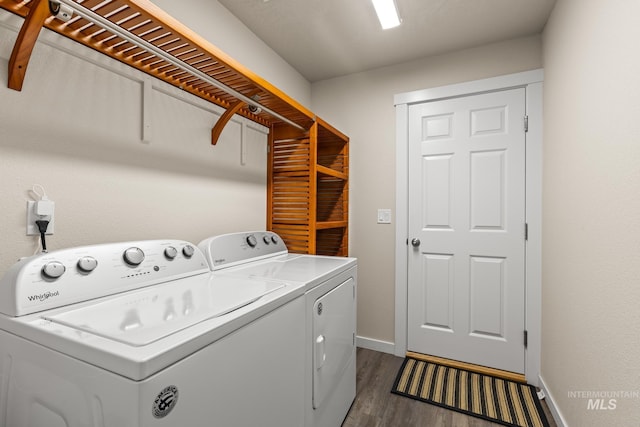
(32, 228)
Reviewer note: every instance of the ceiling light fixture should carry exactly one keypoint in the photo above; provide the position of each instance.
(387, 13)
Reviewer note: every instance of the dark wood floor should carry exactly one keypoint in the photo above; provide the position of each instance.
(375, 406)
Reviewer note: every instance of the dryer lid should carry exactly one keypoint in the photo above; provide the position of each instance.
(295, 268)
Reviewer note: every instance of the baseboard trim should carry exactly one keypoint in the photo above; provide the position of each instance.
(376, 345)
(499, 373)
(551, 403)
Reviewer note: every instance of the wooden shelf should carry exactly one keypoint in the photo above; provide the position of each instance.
(144, 20)
(308, 198)
(330, 172)
(331, 224)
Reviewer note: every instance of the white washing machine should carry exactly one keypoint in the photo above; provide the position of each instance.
(330, 322)
(142, 334)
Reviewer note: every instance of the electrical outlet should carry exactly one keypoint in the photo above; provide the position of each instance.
(32, 217)
(384, 216)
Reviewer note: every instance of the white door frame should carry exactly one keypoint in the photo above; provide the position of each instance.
(532, 82)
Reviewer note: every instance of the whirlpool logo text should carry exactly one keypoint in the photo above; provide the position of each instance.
(43, 297)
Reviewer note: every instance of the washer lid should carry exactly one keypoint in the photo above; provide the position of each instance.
(142, 317)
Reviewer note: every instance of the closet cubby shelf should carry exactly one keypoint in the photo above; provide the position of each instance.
(308, 198)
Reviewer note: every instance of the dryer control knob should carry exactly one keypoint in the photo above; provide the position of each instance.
(252, 241)
(274, 239)
(188, 251)
(53, 269)
(87, 264)
(133, 256)
(267, 240)
(171, 252)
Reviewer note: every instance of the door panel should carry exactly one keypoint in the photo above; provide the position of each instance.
(487, 190)
(438, 298)
(438, 191)
(487, 296)
(466, 206)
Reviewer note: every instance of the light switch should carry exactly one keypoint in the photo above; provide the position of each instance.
(384, 216)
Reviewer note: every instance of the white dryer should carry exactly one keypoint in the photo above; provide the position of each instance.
(142, 334)
(330, 285)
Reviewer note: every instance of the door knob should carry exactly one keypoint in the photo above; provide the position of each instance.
(415, 242)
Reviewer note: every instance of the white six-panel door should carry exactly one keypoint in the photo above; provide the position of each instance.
(466, 227)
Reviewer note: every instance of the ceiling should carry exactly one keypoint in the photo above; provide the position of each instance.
(329, 38)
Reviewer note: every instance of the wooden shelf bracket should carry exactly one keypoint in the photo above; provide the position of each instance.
(27, 38)
(216, 131)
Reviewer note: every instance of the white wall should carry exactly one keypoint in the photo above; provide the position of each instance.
(215, 23)
(76, 129)
(361, 105)
(591, 202)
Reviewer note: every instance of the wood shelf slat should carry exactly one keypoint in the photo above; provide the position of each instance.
(330, 172)
(331, 224)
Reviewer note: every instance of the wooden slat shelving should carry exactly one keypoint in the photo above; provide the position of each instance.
(142, 19)
(309, 189)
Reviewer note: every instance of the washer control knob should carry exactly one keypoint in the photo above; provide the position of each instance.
(188, 251)
(267, 240)
(252, 241)
(133, 256)
(87, 264)
(53, 269)
(171, 252)
(274, 239)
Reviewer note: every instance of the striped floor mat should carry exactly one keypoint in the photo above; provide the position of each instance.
(494, 399)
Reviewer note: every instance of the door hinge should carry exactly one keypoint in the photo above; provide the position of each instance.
(526, 338)
(526, 123)
(526, 231)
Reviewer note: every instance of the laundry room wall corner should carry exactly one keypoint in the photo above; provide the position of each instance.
(591, 206)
